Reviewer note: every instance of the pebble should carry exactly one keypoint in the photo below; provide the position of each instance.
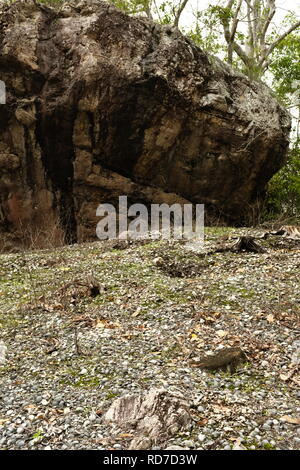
(188, 443)
(117, 446)
(20, 443)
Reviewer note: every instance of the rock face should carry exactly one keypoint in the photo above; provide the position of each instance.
(153, 417)
(100, 104)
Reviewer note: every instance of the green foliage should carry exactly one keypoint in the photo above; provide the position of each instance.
(162, 12)
(38, 436)
(132, 7)
(285, 67)
(284, 188)
(165, 12)
(207, 31)
(223, 14)
(283, 197)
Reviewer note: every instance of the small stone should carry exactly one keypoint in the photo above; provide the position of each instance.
(266, 426)
(228, 429)
(93, 417)
(188, 443)
(175, 448)
(117, 446)
(210, 443)
(20, 443)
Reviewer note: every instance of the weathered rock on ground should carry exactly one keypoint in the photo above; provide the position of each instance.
(287, 231)
(155, 416)
(228, 359)
(100, 104)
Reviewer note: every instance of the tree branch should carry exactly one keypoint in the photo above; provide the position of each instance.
(270, 16)
(157, 10)
(232, 44)
(180, 9)
(278, 41)
(235, 20)
(250, 39)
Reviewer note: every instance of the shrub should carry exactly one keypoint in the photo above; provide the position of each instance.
(283, 195)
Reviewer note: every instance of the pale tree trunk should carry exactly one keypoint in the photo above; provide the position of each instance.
(178, 12)
(258, 14)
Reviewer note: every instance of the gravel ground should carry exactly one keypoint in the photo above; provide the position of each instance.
(161, 306)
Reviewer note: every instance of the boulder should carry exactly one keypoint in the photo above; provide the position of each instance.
(100, 104)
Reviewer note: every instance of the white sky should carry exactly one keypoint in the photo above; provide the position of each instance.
(283, 7)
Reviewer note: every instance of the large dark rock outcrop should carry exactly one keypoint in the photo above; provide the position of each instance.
(100, 105)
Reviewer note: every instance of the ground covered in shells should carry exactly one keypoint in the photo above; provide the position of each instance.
(85, 324)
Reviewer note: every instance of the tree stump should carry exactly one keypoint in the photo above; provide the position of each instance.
(247, 244)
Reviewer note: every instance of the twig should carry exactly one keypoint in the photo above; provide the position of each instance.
(77, 347)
